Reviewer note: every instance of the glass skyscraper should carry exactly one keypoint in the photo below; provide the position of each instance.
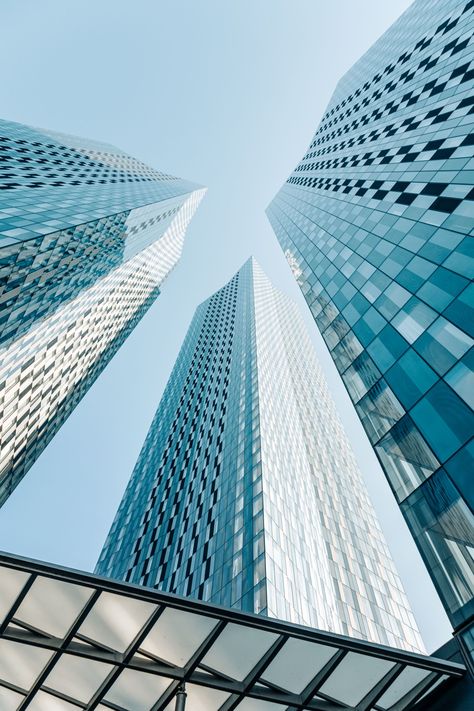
(87, 236)
(246, 492)
(376, 222)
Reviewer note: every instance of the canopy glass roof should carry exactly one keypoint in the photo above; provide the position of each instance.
(70, 640)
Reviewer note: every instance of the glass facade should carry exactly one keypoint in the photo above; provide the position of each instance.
(87, 236)
(376, 222)
(246, 492)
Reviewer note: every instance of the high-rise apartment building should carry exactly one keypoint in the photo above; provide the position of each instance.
(246, 492)
(87, 236)
(376, 222)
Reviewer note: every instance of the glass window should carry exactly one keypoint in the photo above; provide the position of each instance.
(410, 377)
(413, 319)
(460, 469)
(444, 420)
(379, 410)
(387, 348)
(406, 457)
(443, 527)
(442, 345)
(461, 379)
(461, 311)
(361, 376)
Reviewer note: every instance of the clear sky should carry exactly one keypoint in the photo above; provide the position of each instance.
(223, 92)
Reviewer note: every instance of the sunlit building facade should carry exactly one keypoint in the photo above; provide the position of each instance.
(246, 492)
(87, 236)
(376, 222)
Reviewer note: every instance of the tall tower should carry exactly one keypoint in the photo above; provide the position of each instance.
(375, 223)
(246, 492)
(87, 236)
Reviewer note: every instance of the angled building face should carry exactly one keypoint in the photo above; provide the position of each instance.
(87, 236)
(375, 223)
(246, 492)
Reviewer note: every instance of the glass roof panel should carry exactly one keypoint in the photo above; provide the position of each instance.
(43, 701)
(237, 649)
(442, 678)
(137, 691)
(12, 584)
(52, 605)
(20, 664)
(404, 683)
(9, 700)
(258, 705)
(177, 635)
(77, 677)
(297, 663)
(115, 620)
(200, 698)
(354, 677)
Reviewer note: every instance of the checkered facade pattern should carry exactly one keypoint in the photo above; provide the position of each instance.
(87, 236)
(376, 223)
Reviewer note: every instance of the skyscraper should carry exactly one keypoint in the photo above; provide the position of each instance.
(375, 223)
(246, 492)
(87, 236)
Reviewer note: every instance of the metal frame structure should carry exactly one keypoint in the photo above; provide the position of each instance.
(71, 640)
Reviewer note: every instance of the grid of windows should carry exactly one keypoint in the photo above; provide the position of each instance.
(376, 222)
(246, 492)
(87, 236)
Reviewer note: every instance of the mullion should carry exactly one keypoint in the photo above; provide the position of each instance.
(125, 658)
(57, 654)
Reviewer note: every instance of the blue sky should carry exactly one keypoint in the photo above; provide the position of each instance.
(223, 92)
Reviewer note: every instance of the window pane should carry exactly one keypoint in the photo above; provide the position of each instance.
(297, 664)
(21, 664)
(177, 635)
(354, 677)
(52, 605)
(137, 691)
(77, 677)
(237, 650)
(12, 584)
(115, 620)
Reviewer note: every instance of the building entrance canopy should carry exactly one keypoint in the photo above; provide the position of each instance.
(71, 640)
